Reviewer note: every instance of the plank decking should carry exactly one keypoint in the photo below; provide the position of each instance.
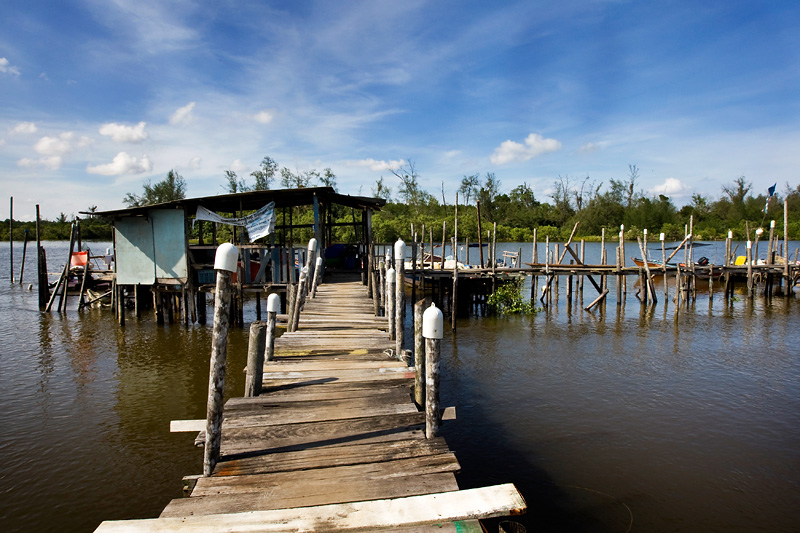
(334, 441)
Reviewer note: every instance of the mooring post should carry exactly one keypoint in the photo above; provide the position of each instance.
(255, 359)
(311, 263)
(225, 262)
(400, 296)
(301, 298)
(390, 301)
(273, 308)
(419, 352)
(317, 276)
(433, 331)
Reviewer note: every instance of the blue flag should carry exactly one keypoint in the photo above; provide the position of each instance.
(771, 190)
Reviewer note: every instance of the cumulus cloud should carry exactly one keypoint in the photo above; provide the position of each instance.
(535, 145)
(61, 145)
(123, 163)
(195, 163)
(183, 115)
(670, 186)
(377, 166)
(8, 68)
(24, 127)
(263, 117)
(51, 162)
(124, 134)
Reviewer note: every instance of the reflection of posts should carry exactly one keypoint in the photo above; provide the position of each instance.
(225, 265)
(432, 330)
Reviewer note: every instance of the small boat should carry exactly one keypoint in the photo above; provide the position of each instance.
(651, 263)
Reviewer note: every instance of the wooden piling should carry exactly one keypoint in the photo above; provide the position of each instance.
(419, 352)
(11, 239)
(480, 242)
(219, 354)
(400, 297)
(454, 306)
(24, 253)
(256, 347)
(432, 331)
(41, 266)
(390, 302)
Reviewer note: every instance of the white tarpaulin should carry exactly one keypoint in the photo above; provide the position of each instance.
(258, 224)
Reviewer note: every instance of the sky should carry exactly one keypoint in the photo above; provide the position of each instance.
(98, 97)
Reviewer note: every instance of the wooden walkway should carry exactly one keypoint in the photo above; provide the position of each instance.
(334, 442)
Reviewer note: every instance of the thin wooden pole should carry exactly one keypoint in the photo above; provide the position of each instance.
(219, 354)
(480, 231)
(41, 266)
(786, 272)
(24, 253)
(273, 306)
(11, 239)
(454, 308)
(749, 260)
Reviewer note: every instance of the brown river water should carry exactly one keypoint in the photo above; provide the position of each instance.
(619, 419)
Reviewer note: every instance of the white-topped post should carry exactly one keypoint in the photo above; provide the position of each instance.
(400, 293)
(225, 264)
(273, 308)
(390, 300)
(432, 331)
(317, 276)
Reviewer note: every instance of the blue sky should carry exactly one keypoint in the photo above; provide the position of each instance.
(99, 96)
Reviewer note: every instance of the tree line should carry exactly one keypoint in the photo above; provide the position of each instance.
(593, 205)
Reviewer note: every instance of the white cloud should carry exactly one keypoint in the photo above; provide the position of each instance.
(237, 165)
(24, 127)
(534, 145)
(51, 162)
(122, 164)
(670, 186)
(195, 163)
(264, 117)
(183, 115)
(8, 68)
(61, 145)
(590, 147)
(377, 166)
(124, 134)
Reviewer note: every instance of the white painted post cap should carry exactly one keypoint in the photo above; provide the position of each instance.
(390, 273)
(273, 303)
(432, 323)
(319, 261)
(730, 234)
(645, 232)
(226, 258)
(759, 231)
(749, 244)
(661, 236)
(772, 224)
(312, 244)
(399, 250)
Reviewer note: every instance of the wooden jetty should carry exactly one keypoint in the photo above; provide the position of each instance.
(333, 442)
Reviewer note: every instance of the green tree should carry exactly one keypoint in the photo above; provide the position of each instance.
(469, 187)
(171, 188)
(264, 175)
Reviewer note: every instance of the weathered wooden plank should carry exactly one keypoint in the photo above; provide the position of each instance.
(335, 455)
(364, 374)
(296, 494)
(397, 390)
(329, 479)
(277, 416)
(486, 502)
(271, 439)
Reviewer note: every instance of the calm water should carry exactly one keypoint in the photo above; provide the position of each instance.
(668, 421)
